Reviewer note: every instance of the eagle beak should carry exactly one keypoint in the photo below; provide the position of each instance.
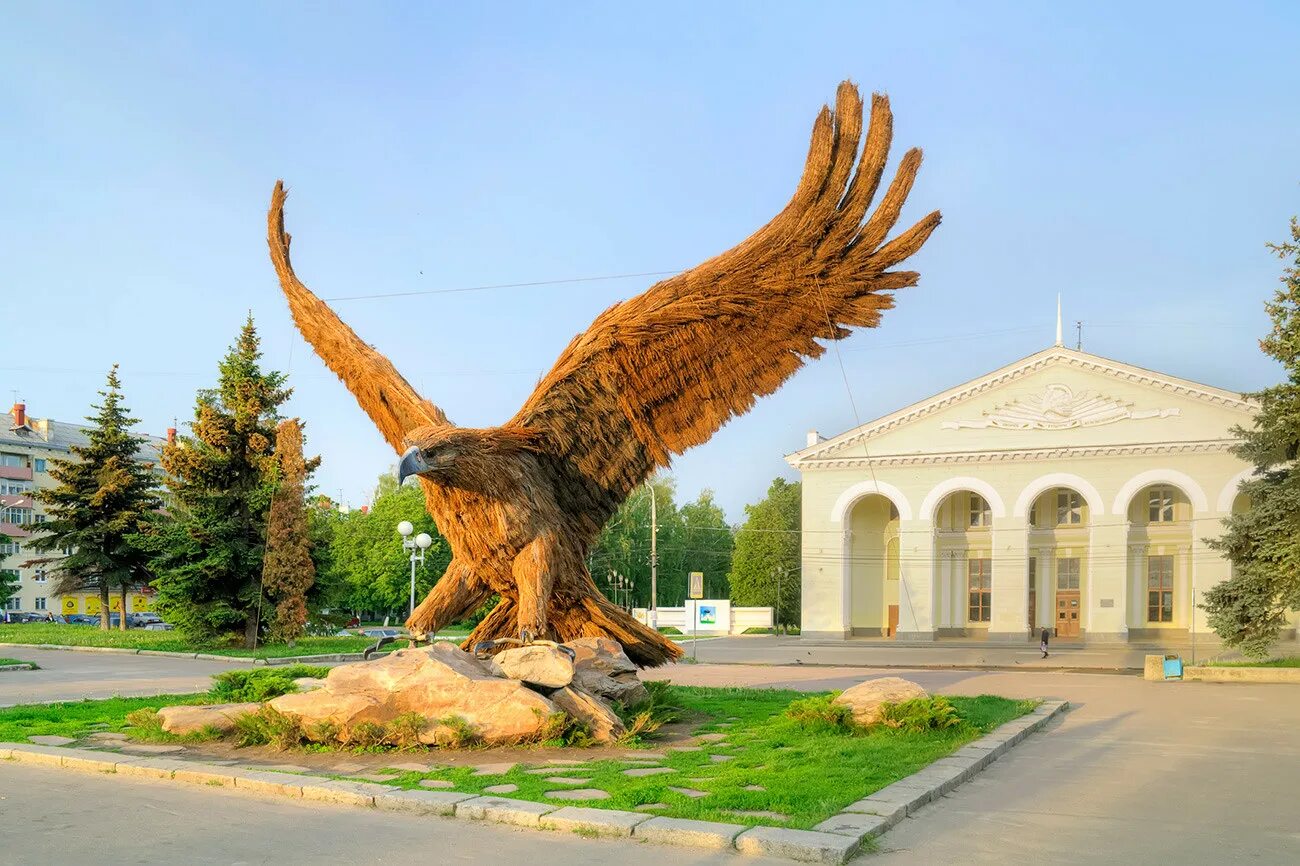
(412, 463)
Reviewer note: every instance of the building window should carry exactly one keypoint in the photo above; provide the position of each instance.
(980, 512)
(13, 514)
(10, 547)
(1067, 574)
(40, 603)
(1160, 589)
(13, 460)
(1160, 505)
(14, 603)
(12, 487)
(40, 518)
(40, 464)
(1069, 508)
(66, 551)
(980, 583)
(39, 577)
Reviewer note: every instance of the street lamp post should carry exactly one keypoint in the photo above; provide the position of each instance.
(652, 615)
(417, 546)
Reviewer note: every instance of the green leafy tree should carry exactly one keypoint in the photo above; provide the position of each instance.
(288, 571)
(701, 541)
(765, 564)
(208, 557)
(1263, 543)
(368, 551)
(102, 497)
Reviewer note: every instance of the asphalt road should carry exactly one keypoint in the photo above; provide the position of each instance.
(1137, 772)
(68, 676)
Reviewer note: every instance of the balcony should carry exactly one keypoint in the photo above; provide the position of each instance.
(17, 473)
(13, 530)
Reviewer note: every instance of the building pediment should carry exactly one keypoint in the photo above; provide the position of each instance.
(1056, 402)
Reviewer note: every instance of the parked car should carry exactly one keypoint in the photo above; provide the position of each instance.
(140, 620)
(17, 617)
(382, 632)
(158, 626)
(81, 619)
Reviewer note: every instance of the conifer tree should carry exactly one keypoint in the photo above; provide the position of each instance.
(103, 496)
(208, 557)
(287, 569)
(1263, 543)
(8, 580)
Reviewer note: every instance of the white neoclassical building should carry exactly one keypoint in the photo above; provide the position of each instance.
(1064, 490)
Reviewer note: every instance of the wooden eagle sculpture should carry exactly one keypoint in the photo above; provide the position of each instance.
(521, 504)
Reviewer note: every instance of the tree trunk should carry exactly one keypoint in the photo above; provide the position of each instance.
(105, 615)
(123, 620)
(250, 630)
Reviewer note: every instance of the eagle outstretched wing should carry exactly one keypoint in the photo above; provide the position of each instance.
(661, 372)
(389, 400)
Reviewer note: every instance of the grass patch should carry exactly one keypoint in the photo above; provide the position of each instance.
(6, 662)
(80, 718)
(246, 685)
(37, 634)
(807, 774)
(1284, 662)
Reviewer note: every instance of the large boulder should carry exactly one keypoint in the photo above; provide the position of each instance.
(436, 682)
(537, 665)
(865, 698)
(604, 725)
(601, 668)
(192, 719)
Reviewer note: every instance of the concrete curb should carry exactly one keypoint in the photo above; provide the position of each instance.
(23, 666)
(833, 841)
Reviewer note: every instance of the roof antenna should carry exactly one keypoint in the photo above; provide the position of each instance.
(1058, 319)
(1078, 343)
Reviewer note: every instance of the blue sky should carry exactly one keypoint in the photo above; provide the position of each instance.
(1133, 157)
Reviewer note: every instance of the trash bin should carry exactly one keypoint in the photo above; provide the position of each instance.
(1173, 668)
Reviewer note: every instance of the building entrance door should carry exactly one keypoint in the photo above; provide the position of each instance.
(1067, 614)
(893, 621)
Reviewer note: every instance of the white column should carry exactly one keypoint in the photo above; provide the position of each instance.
(1107, 581)
(916, 580)
(1135, 590)
(1009, 542)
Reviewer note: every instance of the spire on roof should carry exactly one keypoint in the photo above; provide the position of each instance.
(1058, 319)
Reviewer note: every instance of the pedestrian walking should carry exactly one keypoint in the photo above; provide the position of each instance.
(1042, 641)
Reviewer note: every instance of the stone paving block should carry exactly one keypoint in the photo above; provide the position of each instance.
(808, 846)
(91, 763)
(436, 783)
(345, 793)
(197, 774)
(499, 810)
(497, 769)
(688, 833)
(857, 825)
(153, 749)
(566, 780)
(578, 794)
(890, 809)
(270, 784)
(51, 740)
(910, 797)
(421, 802)
(501, 789)
(50, 756)
(688, 792)
(648, 771)
(147, 768)
(602, 822)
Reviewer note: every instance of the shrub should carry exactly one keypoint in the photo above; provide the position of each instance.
(266, 727)
(254, 685)
(820, 713)
(146, 723)
(454, 732)
(920, 714)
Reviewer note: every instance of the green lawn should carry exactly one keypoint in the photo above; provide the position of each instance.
(74, 635)
(806, 775)
(1284, 662)
(79, 718)
(4, 662)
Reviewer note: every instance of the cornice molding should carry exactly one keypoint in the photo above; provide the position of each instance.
(1210, 446)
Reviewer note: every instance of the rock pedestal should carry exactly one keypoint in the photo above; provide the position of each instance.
(601, 668)
(865, 698)
(192, 719)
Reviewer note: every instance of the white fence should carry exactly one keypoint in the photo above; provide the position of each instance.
(710, 616)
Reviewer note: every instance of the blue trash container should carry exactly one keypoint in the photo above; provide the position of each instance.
(1173, 668)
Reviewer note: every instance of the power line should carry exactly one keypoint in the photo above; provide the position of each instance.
(502, 286)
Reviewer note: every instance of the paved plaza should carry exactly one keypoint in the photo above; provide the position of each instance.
(1137, 772)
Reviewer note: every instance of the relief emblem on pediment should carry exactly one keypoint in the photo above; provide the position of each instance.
(1059, 408)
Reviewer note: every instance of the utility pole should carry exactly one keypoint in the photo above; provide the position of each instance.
(652, 616)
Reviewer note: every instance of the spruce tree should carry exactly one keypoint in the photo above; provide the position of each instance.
(8, 581)
(208, 557)
(287, 569)
(103, 496)
(1263, 543)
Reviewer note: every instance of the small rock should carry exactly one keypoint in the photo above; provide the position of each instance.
(500, 789)
(721, 759)
(537, 664)
(648, 771)
(51, 740)
(192, 719)
(436, 783)
(688, 792)
(567, 780)
(865, 698)
(605, 726)
(579, 794)
(601, 668)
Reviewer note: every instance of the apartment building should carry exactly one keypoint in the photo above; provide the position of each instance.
(28, 448)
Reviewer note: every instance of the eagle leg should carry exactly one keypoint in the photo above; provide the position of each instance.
(534, 571)
(456, 594)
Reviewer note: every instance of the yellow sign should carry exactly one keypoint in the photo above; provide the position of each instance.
(69, 604)
(92, 605)
(115, 604)
(139, 603)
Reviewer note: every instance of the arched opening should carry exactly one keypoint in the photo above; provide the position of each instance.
(963, 538)
(1060, 521)
(1159, 560)
(874, 567)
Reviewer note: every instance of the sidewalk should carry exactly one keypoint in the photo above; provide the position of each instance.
(952, 653)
